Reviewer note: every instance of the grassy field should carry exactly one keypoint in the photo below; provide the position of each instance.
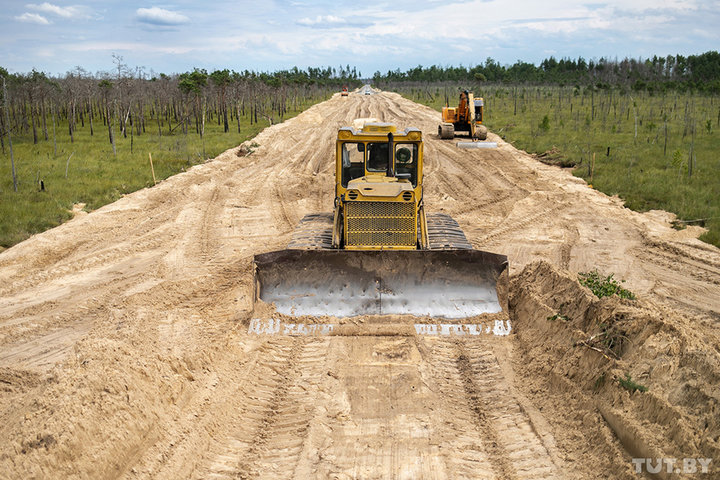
(655, 151)
(87, 171)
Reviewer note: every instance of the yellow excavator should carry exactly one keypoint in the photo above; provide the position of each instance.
(466, 117)
(378, 252)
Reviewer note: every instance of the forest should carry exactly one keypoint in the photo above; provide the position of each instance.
(126, 97)
(674, 72)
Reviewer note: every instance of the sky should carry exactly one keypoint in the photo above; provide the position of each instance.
(268, 35)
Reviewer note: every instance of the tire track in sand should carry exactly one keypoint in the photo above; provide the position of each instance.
(499, 424)
(271, 427)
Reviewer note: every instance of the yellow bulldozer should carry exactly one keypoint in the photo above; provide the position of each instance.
(466, 117)
(378, 252)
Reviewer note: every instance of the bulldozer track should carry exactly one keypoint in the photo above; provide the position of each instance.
(444, 233)
(314, 232)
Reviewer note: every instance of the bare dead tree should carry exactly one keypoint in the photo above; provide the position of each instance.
(7, 122)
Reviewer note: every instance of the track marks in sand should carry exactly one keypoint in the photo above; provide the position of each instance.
(43, 351)
(377, 407)
(488, 416)
(272, 423)
(379, 422)
(700, 262)
(572, 235)
(512, 224)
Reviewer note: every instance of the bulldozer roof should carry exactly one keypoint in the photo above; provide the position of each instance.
(379, 129)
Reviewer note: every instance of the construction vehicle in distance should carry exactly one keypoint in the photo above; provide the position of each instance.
(379, 252)
(344, 92)
(467, 117)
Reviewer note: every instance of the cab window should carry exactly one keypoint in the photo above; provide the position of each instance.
(406, 155)
(353, 161)
(377, 157)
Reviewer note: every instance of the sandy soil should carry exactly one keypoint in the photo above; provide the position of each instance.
(125, 348)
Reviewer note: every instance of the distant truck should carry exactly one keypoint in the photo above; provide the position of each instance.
(344, 92)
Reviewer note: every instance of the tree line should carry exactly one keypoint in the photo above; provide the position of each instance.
(125, 97)
(120, 101)
(673, 72)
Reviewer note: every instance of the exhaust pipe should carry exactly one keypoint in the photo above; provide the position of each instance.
(391, 156)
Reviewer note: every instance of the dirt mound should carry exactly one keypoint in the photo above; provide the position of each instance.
(645, 368)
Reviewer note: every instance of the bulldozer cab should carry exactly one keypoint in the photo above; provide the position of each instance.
(366, 154)
(353, 161)
(406, 159)
(378, 188)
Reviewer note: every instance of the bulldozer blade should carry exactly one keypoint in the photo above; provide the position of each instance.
(428, 283)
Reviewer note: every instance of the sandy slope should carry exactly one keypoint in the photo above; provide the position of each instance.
(125, 352)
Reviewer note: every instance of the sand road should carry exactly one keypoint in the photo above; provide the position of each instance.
(126, 352)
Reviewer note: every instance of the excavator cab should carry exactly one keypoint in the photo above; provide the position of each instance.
(478, 110)
(463, 107)
(467, 117)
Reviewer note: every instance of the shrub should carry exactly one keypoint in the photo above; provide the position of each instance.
(629, 384)
(603, 286)
(545, 124)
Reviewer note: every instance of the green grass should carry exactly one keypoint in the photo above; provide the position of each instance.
(630, 385)
(570, 125)
(96, 176)
(604, 286)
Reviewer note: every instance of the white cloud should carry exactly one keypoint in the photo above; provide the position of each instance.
(645, 5)
(160, 16)
(126, 46)
(372, 35)
(72, 11)
(321, 20)
(33, 18)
